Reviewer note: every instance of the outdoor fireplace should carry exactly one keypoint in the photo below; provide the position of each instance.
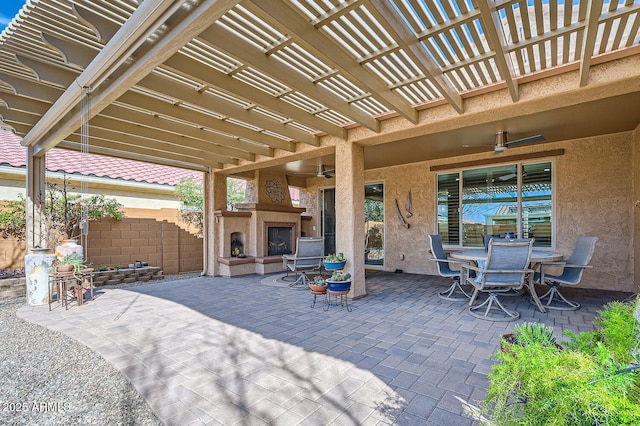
(279, 238)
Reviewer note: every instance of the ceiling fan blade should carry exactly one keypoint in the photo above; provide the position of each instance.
(325, 173)
(530, 139)
(507, 177)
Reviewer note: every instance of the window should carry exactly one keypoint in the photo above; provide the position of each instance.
(512, 199)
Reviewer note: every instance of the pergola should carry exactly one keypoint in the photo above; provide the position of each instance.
(230, 87)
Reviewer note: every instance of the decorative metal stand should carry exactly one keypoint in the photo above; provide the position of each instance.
(344, 300)
(316, 294)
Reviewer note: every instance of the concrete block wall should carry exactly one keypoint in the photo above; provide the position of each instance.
(159, 243)
(12, 253)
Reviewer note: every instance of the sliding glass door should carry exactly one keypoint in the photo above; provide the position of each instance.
(374, 224)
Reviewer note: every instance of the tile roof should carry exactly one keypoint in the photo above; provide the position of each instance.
(13, 154)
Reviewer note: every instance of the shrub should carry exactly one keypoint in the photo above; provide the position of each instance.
(588, 384)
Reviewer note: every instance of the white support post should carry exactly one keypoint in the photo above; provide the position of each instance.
(35, 189)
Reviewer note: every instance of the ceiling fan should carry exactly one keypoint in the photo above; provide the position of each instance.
(500, 144)
(325, 173)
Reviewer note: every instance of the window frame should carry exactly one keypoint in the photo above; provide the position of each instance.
(519, 165)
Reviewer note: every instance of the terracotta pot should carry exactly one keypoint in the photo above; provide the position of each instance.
(64, 269)
(318, 288)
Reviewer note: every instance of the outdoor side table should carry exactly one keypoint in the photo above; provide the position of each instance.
(59, 283)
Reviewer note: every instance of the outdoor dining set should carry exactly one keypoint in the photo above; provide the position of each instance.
(509, 266)
(505, 266)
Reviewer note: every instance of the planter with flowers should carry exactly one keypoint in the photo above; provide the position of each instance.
(334, 262)
(318, 286)
(339, 285)
(339, 282)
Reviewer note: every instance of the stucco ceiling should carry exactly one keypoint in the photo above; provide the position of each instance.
(232, 86)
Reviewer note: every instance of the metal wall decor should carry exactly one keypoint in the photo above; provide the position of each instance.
(408, 208)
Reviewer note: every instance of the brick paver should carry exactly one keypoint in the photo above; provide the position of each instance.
(236, 351)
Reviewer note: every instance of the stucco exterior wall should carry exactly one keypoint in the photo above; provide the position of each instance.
(636, 211)
(594, 195)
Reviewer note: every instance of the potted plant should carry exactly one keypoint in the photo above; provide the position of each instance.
(318, 285)
(529, 333)
(334, 262)
(588, 383)
(71, 263)
(339, 281)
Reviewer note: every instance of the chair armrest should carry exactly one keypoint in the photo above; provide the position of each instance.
(506, 271)
(454, 262)
(555, 263)
(307, 258)
(497, 271)
(471, 266)
(568, 265)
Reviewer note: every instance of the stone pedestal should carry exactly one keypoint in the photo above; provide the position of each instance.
(38, 267)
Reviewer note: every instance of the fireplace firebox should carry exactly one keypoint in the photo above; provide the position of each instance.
(279, 238)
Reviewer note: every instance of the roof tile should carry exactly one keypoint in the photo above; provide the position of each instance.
(12, 153)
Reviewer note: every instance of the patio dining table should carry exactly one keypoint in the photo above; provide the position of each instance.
(537, 257)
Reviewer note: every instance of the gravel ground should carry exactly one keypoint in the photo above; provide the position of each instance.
(39, 387)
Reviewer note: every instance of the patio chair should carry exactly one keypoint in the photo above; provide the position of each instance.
(505, 269)
(572, 271)
(487, 237)
(455, 292)
(308, 257)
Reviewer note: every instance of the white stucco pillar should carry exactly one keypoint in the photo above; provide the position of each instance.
(38, 262)
(350, 231)
(215, 198)
(35, 190)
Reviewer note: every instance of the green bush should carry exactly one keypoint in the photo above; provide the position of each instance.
(538, 384)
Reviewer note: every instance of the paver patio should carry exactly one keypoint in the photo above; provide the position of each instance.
(236, 351)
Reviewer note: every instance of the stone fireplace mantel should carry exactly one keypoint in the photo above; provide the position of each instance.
(270, 208)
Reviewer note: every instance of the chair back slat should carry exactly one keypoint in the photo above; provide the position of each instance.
(309, 247)
(507, 255)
